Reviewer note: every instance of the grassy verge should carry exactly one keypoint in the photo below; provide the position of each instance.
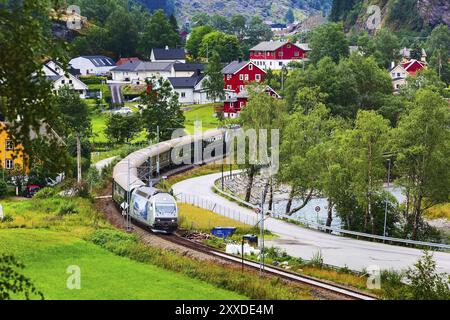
(204, 113)
(441, 211)
(49, 235)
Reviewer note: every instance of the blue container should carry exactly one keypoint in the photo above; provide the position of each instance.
(223, 232)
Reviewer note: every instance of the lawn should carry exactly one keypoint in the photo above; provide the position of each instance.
(194, 218)
(204, 113)
(48, 254)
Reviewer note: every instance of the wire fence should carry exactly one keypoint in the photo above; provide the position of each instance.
(222, 210)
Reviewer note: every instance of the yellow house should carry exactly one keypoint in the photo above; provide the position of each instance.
(11, 154)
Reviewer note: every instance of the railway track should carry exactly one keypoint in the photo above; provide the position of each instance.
(268, 270)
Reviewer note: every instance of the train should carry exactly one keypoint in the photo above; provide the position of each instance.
(133, 177)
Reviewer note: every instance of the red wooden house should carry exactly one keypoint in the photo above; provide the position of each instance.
(277, 54)
(234, 104)
(240, 73)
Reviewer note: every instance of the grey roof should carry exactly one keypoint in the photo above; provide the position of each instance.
(185, 82)
(144, 66)
(100, 61)
(169, 54)
(188, 66)
(268, 45)
(54, 78)
(234, 67)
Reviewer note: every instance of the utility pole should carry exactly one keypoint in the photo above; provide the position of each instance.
(386, 205)
(157, 143)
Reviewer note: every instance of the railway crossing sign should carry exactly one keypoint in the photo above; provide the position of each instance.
(317, 209)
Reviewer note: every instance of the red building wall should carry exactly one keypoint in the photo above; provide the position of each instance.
(237, 106)
(416, 66)
(289, 51)
(234, 80)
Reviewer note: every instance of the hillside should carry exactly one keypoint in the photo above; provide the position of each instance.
(398, 15)
(274, 10)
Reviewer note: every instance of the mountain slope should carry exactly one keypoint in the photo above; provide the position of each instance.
(409, 15)
(274, 10)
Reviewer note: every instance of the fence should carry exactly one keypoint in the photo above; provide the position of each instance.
(336, 230)
(225, 211)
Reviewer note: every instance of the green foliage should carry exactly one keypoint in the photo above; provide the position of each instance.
(421, 141)
(158, 33)
(438, 49)
(46, 193)
(25, 41)
(3, 189)
(328, 40)
(214, 83)
(93, 80)
(227, 46)
(195, 40)
(7, 218)
(289, 17)
(67, 208)
(13, 283)
(161, 109)
(122, 128)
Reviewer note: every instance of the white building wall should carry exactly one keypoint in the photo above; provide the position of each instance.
(185, 95)
(86, 67)
(272, 63)
(135, 77)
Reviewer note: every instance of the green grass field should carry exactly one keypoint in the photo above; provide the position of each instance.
(48, 254)
(204, 113)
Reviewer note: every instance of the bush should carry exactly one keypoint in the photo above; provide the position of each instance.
(7, 218)
(102, 237)
(92, 80)
(67, 208)
(45, 193)
(3, 189)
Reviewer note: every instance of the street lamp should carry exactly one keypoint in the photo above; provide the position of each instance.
(386, 205)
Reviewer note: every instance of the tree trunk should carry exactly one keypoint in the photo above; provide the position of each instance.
(78, 158)
(289, 203)
(304, 203)
(251, 177)
(417, 216)
(271, 195)
(330, 214)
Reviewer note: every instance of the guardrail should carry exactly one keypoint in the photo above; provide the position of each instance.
(336, 230)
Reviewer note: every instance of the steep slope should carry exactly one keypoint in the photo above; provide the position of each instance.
(409, 15)
(274, 10)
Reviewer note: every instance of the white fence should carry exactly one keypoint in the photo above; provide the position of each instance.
(342, 231)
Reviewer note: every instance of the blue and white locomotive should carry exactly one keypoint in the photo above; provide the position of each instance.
(149, 206)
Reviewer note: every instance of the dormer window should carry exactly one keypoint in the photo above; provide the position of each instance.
(250, 66)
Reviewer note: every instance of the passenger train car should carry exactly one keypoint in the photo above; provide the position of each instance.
(132, 177)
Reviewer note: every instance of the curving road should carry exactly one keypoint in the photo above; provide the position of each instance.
(303, 243)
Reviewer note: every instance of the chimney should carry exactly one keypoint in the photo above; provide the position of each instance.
(392, 65)
(423, 57)
(167, 47)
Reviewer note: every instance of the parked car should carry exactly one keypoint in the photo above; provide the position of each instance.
(31, 190)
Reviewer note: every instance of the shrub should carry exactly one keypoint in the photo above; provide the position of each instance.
(45, 193)
(92, 79)
(316, 260)
(3, 189)
(67, 208)
(105, 236)
(7, 218)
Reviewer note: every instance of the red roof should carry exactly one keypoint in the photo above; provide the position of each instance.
(413, 65)
(126, 60)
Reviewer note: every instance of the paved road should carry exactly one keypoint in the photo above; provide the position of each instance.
(303, 243)
(103, 163)
(116, 93)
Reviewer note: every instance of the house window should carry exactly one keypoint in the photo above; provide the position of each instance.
(229, 87)
(280, 63)
(241, 77)
(70, 81)
(246, 77)
(258, 77)
(9, 164)
(242, 104)
(280, 54)
(63, 81)
(241, 87)
(9, 145)
(289, 46)
(183, 94)
(398, 74)
(250, 66)
(393, 74)
(296, 54)
(232, 104)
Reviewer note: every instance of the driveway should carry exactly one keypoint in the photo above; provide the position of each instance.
(116, 93)
(304, 243)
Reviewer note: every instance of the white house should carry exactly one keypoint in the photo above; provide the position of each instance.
(60, 78)
(190, 89)
(93, 65)
(168, 55)
(187, 69)
(136, 72)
